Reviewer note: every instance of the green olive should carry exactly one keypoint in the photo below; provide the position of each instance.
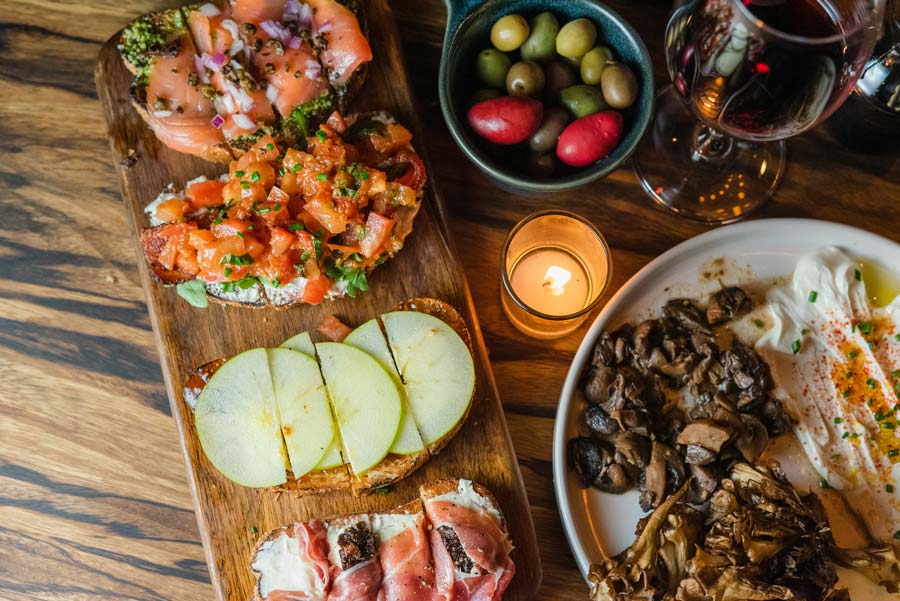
(482, 95)
(576, 38)
(492, 67)
(509, 32)
(582, 100)
(541, 42)
(559, 75)
(541, 164)
(525, 78)
(545, 137)
(593, 63)
(620, 86)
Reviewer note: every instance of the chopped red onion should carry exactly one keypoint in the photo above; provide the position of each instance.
(294, 42)
(313, 70)
(217, 121)
(162, 114)
(209, 10)
(244, 122)
(276, 31)
(209, 62)
(200, 69)
(228, 103)
(236, 47)
(325, 27)
(241, 97)
(232, 28)
(219, 59)
(272, 94)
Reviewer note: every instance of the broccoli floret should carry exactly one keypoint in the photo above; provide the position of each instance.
(309, 114)
(150, 35)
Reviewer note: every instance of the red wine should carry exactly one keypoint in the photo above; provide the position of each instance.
(754, 82)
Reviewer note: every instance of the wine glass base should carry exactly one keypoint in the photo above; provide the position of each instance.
(700, 174)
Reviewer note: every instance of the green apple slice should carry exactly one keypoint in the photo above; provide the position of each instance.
(301, 343)
(365, 400)
(332, 457)
(368, 338)
(437, 368)
(237, 422)
(306, 421)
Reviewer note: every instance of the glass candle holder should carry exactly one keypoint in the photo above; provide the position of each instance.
(555, 266)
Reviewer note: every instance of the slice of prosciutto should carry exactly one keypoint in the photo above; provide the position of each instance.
(292, 564)
(355, 571)
(470, 546)
(405, 556)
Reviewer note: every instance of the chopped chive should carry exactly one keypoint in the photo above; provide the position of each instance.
(848, 375)
(228, 271)
(897, 337)
(296, 168)
(897, 535)
(896, 374)
(853, 354)
(879, 415)
(384, 489)
(889, 488)
(305, 256)
(838, 420)
(846, 393)
(321, 135)
(270, 146)
(845, 435)
(858, 275)
(250, 226)
(854, 435)
(245, 186)
(295, 227)
(865, 327)
(276, 283)
(239, 235)
(813, 295)
(254, 177)
(893, 452)
(871, 383)
(322, 177)
(795, 347)
(823, 483)
(852, 327)
(277, 206)
(254, 530)
(804, 332)
(239, 174)
(758, 323)
(888, 425)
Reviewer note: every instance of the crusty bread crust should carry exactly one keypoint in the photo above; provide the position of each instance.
(318, 481)
(391, 469)
(449, 315)
(270, 535)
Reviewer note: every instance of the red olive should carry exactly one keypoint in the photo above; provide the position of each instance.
(506, 120)
(589, 139)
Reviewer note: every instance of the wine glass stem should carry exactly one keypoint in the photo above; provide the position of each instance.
(710, 145)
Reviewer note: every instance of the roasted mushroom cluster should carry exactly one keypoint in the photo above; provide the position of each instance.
(756, 539)
(640, 434)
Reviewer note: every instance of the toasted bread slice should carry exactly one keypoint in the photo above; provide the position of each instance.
(449, 315)
(391, 469)
(314, 482)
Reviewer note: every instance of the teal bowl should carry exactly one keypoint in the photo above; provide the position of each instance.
(469, 25)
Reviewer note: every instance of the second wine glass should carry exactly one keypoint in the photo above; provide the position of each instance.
(746, 75)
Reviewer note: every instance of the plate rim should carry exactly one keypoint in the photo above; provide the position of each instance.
(686, 247)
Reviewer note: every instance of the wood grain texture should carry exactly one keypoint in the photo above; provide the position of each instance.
(94, 502)
(231, 517)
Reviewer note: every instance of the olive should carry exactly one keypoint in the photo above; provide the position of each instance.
(620, 87)
(525, 78)
(541, 164)
(593, 63)
(576, 38)
(492, 66)
(582, 100)
(558, 75)
(544, 139)
(541, 42)
(509, 32)
(482, 95)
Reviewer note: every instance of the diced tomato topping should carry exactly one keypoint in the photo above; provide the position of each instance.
(206, 193)
(230, 227)
(378, 232)
(281, 241)
(325, 213)
(334, 329)
(169, 211)
(266, 149)
(315, 290)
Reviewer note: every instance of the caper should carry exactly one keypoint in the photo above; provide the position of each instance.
(545, 137)
(541, 43)
(620, 86)
(582, 100)
(509, 32)
(593, 63)
(558, 75)
(492, 66)
(576, 38)
(525, 78)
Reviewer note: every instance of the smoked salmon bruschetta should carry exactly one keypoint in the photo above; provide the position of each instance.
(287, 226)
(212, 79)
(451, 543)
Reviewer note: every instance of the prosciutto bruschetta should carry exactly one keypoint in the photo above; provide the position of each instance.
(211, 79)
(288, 226)
(399, 555)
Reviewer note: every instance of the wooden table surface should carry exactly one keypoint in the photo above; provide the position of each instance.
(94, 501)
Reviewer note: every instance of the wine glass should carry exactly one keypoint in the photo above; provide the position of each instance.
(751, 73)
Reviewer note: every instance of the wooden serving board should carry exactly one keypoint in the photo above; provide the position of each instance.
(231, 517)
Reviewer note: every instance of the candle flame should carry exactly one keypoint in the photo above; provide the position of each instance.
(555, 280)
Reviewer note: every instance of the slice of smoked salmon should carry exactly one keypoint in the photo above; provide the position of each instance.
(344, 48)
(177, 111)
(258, 10)
(213, 34)
(296, 74)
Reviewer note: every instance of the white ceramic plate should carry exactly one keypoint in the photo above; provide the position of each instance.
(599, 524)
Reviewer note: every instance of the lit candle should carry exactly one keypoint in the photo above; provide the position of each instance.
(551, 281)
(556, 266)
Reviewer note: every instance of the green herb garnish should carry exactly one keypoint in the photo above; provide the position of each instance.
(194, 292)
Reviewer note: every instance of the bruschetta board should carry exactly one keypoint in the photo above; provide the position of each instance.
(232, 517)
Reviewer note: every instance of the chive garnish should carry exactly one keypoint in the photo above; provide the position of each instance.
(813, 295)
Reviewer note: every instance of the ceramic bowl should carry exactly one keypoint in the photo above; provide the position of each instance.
(469, 24)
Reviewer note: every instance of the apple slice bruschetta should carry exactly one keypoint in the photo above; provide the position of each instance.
(288, 226)
(366, 421)
(212, 78)
(451, 543)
